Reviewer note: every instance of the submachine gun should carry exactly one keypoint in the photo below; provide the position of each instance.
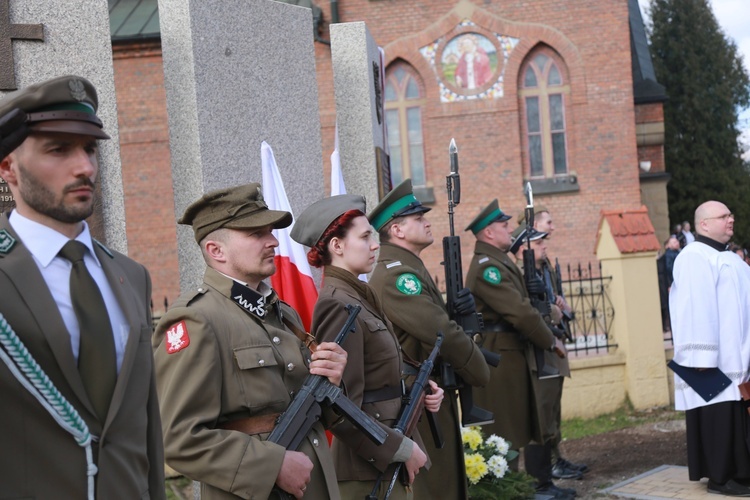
(413, 403)
(537, 294)
(307, 406)
(470, 323)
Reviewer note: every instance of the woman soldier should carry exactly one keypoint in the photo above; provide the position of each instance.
(341, 241)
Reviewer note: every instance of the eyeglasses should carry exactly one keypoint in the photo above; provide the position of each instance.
(730, 215)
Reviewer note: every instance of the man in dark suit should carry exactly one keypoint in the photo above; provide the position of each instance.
(97, 352)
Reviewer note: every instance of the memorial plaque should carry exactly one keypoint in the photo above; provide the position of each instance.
(6, 197)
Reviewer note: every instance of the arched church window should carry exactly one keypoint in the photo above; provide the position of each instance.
(544, 93)
(404, 99)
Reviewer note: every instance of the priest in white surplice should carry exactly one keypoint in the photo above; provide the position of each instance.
(709, 305)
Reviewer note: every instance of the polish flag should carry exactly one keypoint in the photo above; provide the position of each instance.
(293, 280)
(337, 176)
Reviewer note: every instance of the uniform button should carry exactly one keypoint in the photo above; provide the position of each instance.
(377, 415)
(262, 362)
(200, 289)
(290, 367)
(371, 460)
(276, 340)
(316, 442)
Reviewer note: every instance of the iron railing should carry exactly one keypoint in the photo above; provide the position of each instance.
(586, 292)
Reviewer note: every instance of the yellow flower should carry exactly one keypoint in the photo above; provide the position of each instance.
(476, 468)
(471, 437)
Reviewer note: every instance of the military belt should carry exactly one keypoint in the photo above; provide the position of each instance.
(252, 425)
(382, 394)
(497, 328)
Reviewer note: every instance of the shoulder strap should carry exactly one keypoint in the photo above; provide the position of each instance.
(304, 337)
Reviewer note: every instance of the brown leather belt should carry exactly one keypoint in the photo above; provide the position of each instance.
(252, 425)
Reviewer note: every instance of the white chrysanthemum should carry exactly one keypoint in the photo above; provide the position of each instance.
(498, 466)
(500, 444)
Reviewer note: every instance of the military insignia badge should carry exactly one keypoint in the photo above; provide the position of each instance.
(6, 241)
(177, 338)
(77, 90)
(409, 284)
(492, 275)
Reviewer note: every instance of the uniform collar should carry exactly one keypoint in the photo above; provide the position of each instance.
(43, 242)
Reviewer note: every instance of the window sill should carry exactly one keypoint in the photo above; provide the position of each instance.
(554, 185)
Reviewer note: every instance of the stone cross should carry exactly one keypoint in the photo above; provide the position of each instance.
(8, 33)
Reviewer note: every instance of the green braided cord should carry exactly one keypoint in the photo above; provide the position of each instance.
(42, 383)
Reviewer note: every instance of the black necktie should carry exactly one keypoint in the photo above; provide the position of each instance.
(97, 361)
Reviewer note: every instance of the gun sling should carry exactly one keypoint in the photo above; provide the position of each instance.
(252, 425)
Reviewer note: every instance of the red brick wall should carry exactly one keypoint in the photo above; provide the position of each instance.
(146, 170)
(593, 40)
(591, 37)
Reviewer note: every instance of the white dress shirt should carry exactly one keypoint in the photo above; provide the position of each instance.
(44, 243)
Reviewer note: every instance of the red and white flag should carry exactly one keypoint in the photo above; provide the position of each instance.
(293, 280)
(337, 176)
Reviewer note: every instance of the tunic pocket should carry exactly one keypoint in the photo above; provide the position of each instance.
(257, 356)
(261, 382)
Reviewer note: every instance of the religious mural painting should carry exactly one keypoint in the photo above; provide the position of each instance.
(469, 62)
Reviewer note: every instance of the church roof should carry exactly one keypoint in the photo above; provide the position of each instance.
(133, 19)
(631, 229)
(645, 87)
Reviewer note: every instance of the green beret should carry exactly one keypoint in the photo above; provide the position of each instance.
(313, 222)
(399, 202)
(64, 104)
(240, 207)
(489, 214)
(519, 237)
(538, 209)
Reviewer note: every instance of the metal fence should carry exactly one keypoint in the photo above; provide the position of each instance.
(586, 292)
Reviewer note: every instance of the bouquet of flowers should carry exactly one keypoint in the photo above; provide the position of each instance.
(487, 468)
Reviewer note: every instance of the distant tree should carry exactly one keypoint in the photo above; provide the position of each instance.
(707, 86)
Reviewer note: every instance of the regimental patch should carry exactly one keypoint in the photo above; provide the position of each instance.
(249, 300)
(6, 241)
(409, 284)
(177, 338)
(492, 275)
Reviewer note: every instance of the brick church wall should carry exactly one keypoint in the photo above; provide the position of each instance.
(592, 38)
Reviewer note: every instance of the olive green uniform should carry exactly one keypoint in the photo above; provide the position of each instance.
(512, 329)
(232, 363)
(373, 382)
(412, 301)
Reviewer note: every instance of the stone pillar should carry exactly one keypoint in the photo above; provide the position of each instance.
(359, 111)
(76, 41)
(236, 74)
(627, 248)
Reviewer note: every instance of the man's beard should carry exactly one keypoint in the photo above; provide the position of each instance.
(38, 197)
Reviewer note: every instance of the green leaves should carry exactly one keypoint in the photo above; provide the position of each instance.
(707, 86)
